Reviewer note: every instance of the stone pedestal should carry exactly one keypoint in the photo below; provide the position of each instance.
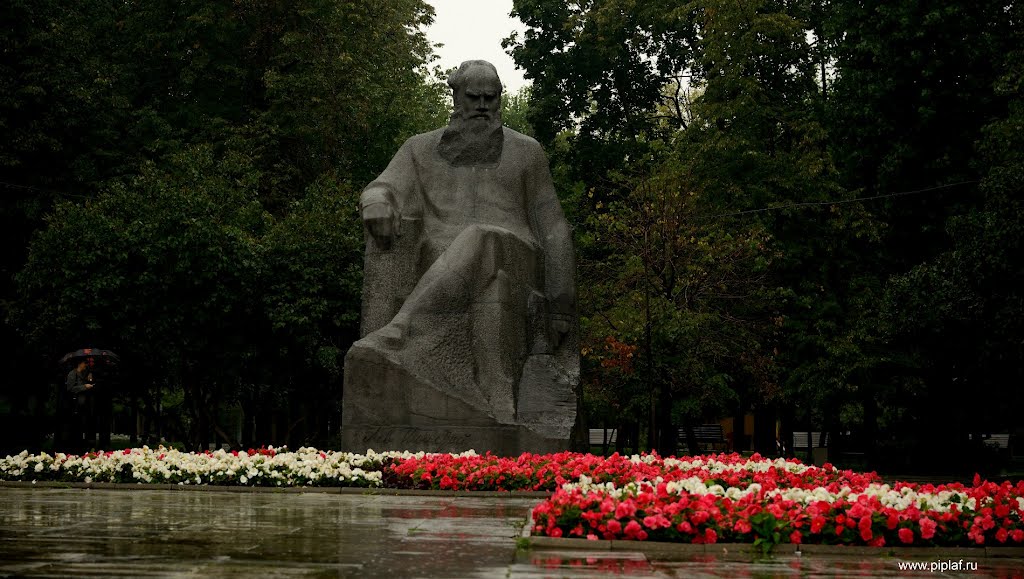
(387, 407)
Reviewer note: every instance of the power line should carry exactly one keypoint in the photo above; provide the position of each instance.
(842, 201)
(43, 190)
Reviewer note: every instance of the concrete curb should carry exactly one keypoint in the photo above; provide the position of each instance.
(661, 550)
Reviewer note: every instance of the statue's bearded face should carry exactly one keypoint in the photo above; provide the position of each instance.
(479, 98)
(474, 134)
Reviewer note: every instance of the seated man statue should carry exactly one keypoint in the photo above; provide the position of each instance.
(469, 322)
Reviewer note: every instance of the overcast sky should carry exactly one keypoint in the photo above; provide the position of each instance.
(473, 29)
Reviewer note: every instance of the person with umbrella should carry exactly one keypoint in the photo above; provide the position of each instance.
(80, 388)
(78, 382)
(79, 385)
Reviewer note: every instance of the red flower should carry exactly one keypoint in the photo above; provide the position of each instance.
(865, 528)
(817, 524)
(906, 535)
(710, 536)
(795, 537)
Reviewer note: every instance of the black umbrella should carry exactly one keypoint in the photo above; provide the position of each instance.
(91, 355)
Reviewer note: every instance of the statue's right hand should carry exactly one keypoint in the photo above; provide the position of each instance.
(382, 223)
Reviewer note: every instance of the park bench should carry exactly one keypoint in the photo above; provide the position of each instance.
(710, 438)
(818, 450)
(1000, 441)
(602, 436)
(800, 440)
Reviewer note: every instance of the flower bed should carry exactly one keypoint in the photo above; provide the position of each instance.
(717, 498)
(257, 467)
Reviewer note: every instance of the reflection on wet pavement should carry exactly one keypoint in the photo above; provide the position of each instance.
(75, 532)
(580, 564)
(50, 532)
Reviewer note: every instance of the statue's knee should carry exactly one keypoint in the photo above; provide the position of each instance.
(476, 235)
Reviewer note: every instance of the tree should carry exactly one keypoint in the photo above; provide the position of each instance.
(958, 314)
(164, 271)
(515, 111)
(905, 132)
(116, 100)
(598, 68)
(311, 279)
(688, 295)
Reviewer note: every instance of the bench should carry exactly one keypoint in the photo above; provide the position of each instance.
(1000, 441)
(710, 438)
(602, 436)
(800, 439)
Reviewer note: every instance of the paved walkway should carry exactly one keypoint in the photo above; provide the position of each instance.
(50, 532)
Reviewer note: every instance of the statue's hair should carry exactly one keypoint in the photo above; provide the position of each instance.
(458, 78)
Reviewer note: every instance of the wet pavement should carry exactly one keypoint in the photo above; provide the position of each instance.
(53, 532)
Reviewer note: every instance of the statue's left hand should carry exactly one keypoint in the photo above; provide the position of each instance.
(382, 222)
(559, 330)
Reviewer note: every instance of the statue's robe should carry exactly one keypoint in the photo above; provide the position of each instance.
(488, 266)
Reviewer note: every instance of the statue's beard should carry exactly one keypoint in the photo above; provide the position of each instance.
(472, 141)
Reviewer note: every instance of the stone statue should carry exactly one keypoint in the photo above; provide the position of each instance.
(469, 327)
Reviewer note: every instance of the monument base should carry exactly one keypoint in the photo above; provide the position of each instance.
(386, 407)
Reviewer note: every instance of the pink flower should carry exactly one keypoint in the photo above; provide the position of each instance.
(657, 522)
(927, 528)
(976, 535)
(626, 508)
(700, 517)
(633, 531)
(859, 511)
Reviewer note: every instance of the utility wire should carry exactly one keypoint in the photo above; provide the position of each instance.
(43, 190)
(841, 201)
